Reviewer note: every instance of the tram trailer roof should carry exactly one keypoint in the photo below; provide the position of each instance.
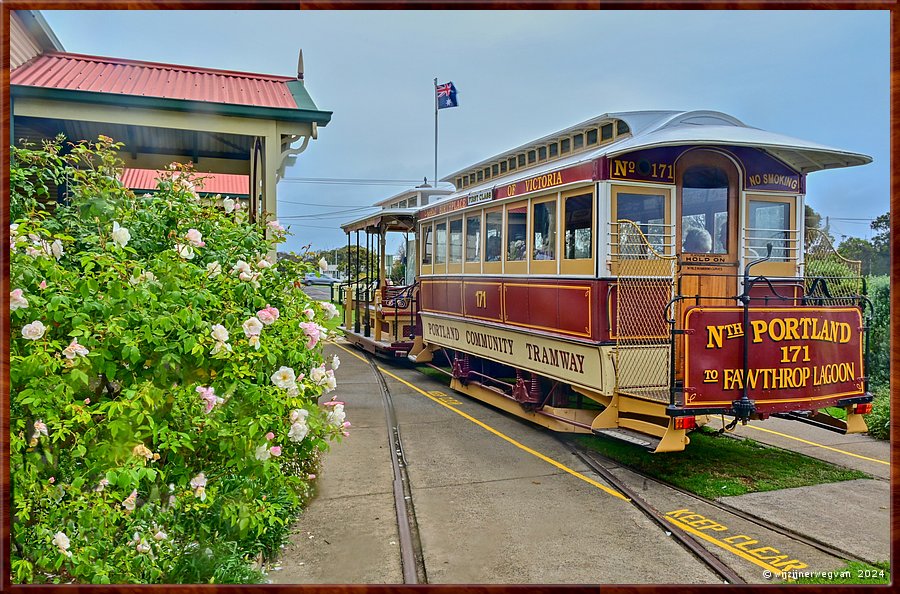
(386, 219)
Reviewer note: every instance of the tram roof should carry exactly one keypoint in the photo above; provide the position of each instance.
(713, 127)
(653, 129)
(391, 219)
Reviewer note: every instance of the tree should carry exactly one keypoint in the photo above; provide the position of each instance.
(856, 248)
(881, 242)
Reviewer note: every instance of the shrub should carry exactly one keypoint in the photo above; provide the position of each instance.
(879, 290)
(879, 420)
(164, 378)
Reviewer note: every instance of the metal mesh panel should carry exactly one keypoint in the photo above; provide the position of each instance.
(645, 286)
(829, 278)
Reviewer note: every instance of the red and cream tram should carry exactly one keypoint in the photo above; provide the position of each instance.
(631, 275)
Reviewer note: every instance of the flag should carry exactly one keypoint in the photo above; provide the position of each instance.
(446, 95)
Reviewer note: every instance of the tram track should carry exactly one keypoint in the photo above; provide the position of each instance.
(603, 466)
(686, 540)
(411, 557)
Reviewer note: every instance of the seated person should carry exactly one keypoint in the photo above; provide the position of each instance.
(516, 250)
(545, 252)
(696, 241)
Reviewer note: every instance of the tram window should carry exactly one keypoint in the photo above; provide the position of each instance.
(512, 163)
(503, 167)
(564, 145)
(579, 227)
(479, 176)
(426, 253)
(578, 141)
(605, 131)
(493, 230)
(542, 153)
(473, 238)
(592, 137)
(440, 243)
(521, 160)
(554, 150)
(459, 182)
(495, 169)
(649, 213)
(532, 157)
(769, 223)
(487, 172)
(621, 128)
(456, 241)
(516, 230)
(544, 237)
(704, 211)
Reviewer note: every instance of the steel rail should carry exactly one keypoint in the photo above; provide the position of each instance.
(685, 539)
(411, 558)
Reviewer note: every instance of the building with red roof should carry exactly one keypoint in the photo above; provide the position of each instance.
(227, 123)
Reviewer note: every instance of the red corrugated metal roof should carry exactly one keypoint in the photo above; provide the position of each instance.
(227, 184)
(77, 72)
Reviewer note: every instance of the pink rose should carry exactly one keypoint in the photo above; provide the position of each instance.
(311, 329)
(275, 450)
(270, 436)
(43, 284)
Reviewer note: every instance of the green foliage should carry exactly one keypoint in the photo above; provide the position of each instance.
(879, 293)
(879, 420)
(138, 432)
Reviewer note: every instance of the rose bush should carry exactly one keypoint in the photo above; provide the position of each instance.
(164, 396)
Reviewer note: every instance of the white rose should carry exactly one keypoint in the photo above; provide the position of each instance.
(17, 300)
(120, 235)
(185, 251)
(220, 333)
(298, 431)
(284, 378)
(263, 264)
(56, 248)
(241, 268)
(252, 327)
(34, 330)
(337, 415)
(194, 237)
(213, 269)
(323, 264)
(254, 342)
(262, 453)
(228, 203)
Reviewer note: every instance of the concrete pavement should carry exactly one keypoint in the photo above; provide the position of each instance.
(488, 511)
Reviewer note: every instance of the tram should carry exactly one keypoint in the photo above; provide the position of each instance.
(632, 275)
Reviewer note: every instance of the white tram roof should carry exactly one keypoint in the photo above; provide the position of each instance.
(652, 129)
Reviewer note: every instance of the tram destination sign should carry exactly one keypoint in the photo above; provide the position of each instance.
(796, 354)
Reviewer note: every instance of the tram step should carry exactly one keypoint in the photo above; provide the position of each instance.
(647, 441)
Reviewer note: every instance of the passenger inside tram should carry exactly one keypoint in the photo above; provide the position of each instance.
(696, 241)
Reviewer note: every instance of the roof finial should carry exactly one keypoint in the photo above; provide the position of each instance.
(300, 65)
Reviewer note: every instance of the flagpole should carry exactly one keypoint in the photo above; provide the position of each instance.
(435, 132)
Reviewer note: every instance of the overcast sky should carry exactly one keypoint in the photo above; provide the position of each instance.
(821, 76)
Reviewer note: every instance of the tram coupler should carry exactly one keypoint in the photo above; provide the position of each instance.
(742, 409)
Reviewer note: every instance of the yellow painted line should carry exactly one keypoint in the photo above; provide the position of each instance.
(819, 445)
(731, 549)
(562, 467)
